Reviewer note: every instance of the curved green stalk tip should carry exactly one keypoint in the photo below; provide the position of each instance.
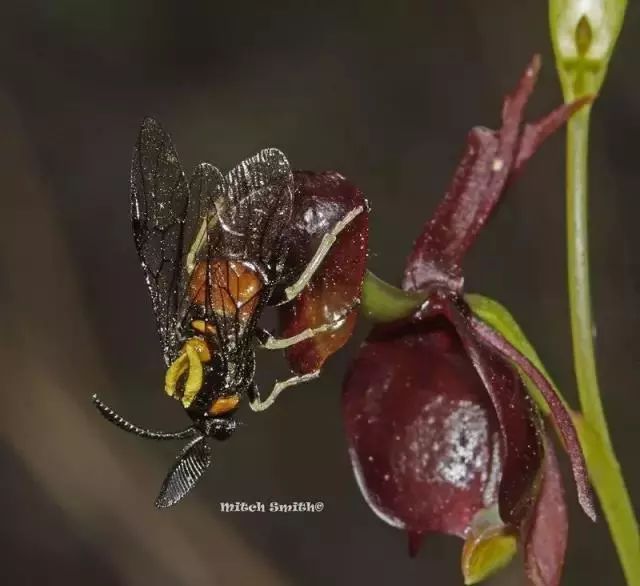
(584, 33)
(382, 302)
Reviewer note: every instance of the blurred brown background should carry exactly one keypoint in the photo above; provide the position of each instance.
(383, 92)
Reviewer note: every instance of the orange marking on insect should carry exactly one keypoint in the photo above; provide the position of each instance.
(224, 404)
(233, 286)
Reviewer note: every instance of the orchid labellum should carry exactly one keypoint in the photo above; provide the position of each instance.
(443, 434)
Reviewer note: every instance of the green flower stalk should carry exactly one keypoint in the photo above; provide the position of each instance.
(584, 33)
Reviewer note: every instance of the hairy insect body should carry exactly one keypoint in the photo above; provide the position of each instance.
(214, 248)
(212, 381)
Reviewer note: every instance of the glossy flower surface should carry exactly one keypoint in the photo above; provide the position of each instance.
(323, 203)
(443, 434)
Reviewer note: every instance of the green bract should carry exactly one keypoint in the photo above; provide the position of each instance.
(584, 33)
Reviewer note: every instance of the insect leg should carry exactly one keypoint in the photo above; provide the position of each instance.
(325, 245)
(110, 415)
(270, 342)
(257, 404)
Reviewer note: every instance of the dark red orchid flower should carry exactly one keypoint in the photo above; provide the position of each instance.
(443, 435)
(326, 206)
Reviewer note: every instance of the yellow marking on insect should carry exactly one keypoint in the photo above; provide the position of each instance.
(203, 327)
(194, 379)
(174, 373)
(194, 352)
(224, 404)
(200, 346)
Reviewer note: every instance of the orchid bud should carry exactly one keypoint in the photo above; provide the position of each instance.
(584, 33)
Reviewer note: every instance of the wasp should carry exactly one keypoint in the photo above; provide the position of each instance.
(214, 248)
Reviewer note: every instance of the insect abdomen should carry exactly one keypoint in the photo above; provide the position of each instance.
(231, 287)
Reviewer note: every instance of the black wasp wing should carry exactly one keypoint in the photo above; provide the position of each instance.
(248, 222)
(255, 212)
(166, 217)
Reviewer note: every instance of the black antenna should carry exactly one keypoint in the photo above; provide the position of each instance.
(189, 467)
(110, 415)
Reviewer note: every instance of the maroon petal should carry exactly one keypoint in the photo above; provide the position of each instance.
(522, 442)
(415, 540)
(423, 436)
(561, 416)
(545, 540)
(489, 161)
(534, 134)
(322, 200)
(437, 252)
(310, 310)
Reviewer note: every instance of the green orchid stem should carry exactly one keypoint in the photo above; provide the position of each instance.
(610, 486)
(579, 286)
(382, 302)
